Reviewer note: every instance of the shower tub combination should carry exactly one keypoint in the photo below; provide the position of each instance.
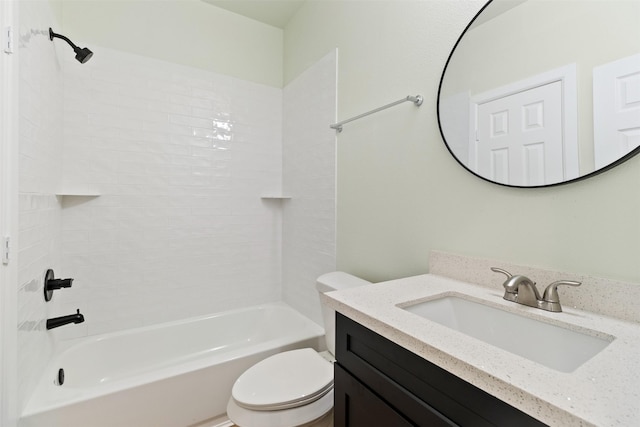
(174, 374)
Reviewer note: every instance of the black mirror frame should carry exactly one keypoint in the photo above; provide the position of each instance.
(580, 178)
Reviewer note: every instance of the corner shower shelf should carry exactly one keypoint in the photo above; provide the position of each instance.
(77, 193)
(275, 197)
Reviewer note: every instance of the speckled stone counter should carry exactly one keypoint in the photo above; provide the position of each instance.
(604, 391)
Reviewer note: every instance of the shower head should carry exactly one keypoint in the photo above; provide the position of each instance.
(82, 54)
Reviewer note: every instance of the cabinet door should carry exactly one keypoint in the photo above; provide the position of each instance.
(422, 392)
(356, 406)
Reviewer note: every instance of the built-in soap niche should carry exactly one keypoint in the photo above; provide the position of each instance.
(276, 197)
(69, 198)
(68, 188)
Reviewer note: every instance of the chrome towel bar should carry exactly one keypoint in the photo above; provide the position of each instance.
(415, 99)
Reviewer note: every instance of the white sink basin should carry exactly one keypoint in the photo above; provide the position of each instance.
(550, 345)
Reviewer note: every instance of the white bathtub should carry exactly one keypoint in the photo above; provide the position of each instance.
(175, 374)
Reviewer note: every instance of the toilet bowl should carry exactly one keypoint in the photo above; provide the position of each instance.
(293, 388)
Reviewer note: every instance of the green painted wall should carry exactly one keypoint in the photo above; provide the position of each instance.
(401, 194)
(187, 32)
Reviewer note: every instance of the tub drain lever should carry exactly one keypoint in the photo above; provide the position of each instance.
(60, 379)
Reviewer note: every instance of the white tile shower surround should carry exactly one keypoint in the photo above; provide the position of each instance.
(40, 156)
(309, 176)
(180, 157)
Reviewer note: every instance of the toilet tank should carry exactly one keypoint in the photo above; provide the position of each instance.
(334, 281)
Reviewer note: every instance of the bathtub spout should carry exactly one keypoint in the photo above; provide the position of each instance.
(63, 320)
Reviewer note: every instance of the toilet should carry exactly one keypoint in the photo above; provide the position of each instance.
(293, 388)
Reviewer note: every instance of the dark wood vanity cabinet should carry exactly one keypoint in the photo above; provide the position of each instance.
(380, 384)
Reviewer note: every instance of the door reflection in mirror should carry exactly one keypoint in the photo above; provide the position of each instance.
(513, 47)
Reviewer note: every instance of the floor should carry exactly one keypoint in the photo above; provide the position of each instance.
(225, 422)
(215, 422)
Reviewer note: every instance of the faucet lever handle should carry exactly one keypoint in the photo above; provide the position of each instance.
(510, 288)
(551, 292)
(499, 270)
(54, 284)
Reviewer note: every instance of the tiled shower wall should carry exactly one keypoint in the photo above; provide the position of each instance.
(180, 158)
(159, 171)
(40, 148)
(309, 177)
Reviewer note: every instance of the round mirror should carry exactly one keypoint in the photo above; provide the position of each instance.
(538, 93)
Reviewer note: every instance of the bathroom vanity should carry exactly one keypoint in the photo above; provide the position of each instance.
(409, 390)
(396, 367)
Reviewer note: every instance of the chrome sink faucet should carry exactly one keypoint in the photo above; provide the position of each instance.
(522, 290)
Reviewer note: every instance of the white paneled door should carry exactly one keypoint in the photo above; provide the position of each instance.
(616, 109)
(519, 137)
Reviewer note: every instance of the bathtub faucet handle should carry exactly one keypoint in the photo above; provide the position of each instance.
(51, 284)
(59, 283)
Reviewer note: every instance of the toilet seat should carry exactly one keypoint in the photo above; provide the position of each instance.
(286, 380)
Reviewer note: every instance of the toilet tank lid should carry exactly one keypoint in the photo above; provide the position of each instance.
(338, 280)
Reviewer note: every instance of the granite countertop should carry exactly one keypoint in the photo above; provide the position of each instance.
(604, 391)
